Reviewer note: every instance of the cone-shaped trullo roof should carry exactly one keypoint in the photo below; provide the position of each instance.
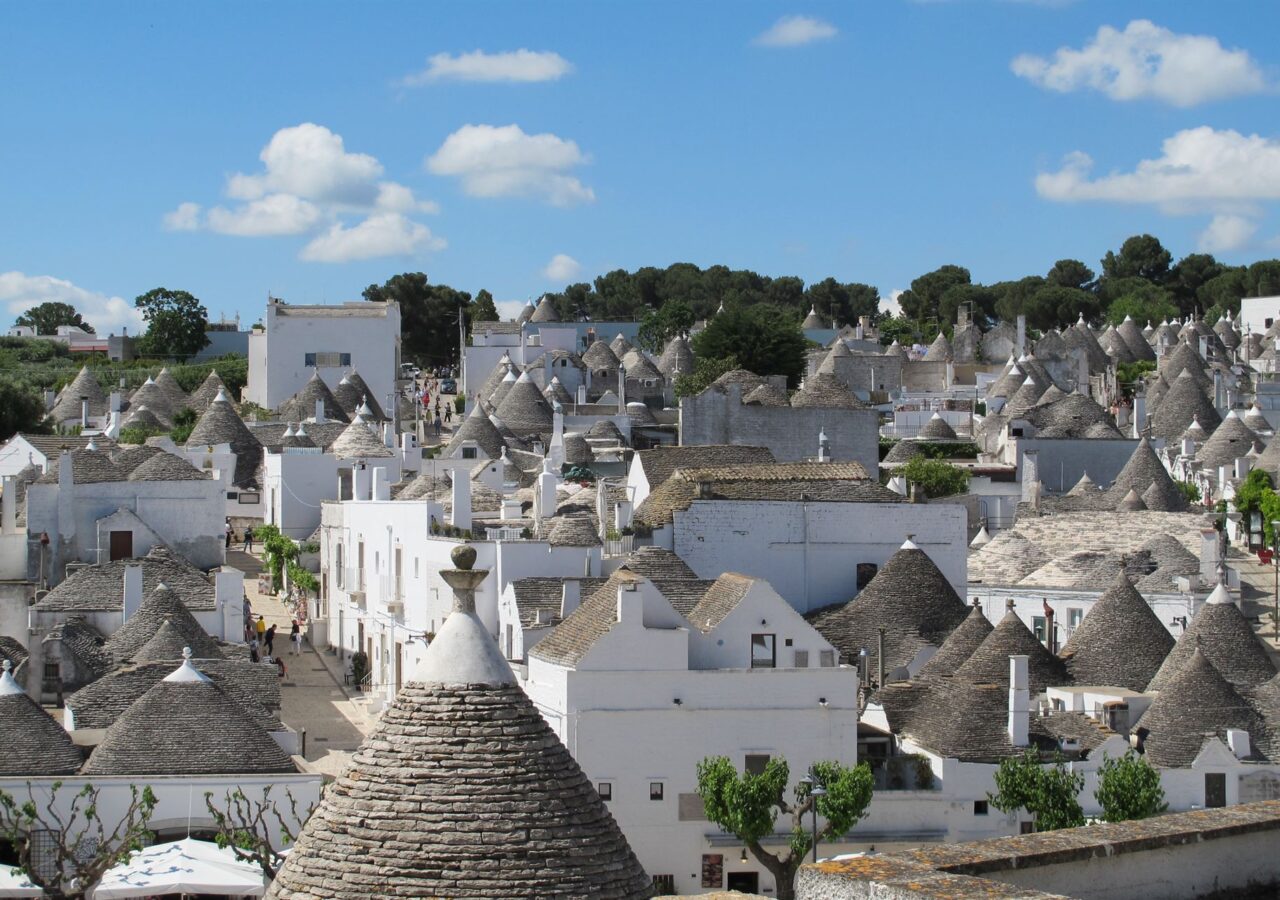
(202, 396)
(301, 407)
(154, 398)
(620, 345)
(909, 597)
(1116, 346)
(545, 312)
(1222, 633)
(167, 383)
(1184, 401)
(221, 424)
(186, 725)
(959, 646)
(989, 664)
(83, 385)
(526, 312)
(1184, 358)
(1131, 334)
(937, 429)
(163, 605)
(939, 350)
(1194, 703)
(555, 391)
(34, 744)
(524, 410)
(357, 441)
(677, 357)
(1120, 643)
(1229, 441)
(353, 391)
(462, 790)
(502, 389)
(813, 320)
(479, 428)
(1141, 471)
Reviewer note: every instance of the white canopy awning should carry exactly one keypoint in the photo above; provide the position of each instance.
(187, 866)
(14, 884)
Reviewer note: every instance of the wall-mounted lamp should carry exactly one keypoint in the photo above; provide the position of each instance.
(678, 702)
(743, 857)
(822, 701)
(763, 622)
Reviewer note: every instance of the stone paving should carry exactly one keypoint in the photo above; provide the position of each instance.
(1258, 596)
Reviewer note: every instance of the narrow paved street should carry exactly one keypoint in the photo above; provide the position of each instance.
(312, 694)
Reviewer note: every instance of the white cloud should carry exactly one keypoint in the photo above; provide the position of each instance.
(509, 309)
(382, 234)
(19, 292)
(1146, 61)
(185, 218)
(503, 161)
(275, 214)
(891, 304)
(518, 66)
(1198, 169)
(1227, 233)
(562, 268)
(795, 31)
(394, 197)
(310, 161)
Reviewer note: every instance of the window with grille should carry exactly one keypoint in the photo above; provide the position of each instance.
(664, 884)
(827, 658)
(802, 659)
(755, 763)
(655, 790)
(605, 790)
(326, 359)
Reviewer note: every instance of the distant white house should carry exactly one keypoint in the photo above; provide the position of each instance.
(297, 341)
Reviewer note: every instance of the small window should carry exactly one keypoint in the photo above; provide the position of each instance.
(664, 884)
(827, 659)
(415, 567)
(1026, 828)
(979, 807)
(1038, 627)
(605, 790)
(802, 659)
(655, 790)
(786, 642)
(232, 495)
(764, 651)
(756, 762)
(345, 359)
(309, 360)
(1075, 617)
(468, 452)
(1215, 790)
(249, 499)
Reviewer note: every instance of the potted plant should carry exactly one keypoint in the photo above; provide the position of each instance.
(359, 668)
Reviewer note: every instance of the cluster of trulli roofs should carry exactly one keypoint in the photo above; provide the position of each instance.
(593, 586)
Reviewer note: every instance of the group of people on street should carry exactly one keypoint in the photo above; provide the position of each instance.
(262, 637)
(422, 391)
(247, 536)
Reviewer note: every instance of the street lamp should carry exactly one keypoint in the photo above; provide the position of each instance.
(817, 791)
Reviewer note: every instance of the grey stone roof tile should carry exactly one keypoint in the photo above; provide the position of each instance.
(302, 405)
(34, 744)
(101, 586)
(1120, 642)
(1221, 632)
(83, 385)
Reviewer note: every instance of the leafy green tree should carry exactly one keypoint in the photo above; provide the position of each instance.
(843, 303)
(247, 827)
(80, 846)
(484, 310)
(1047, 792)
(897, 328)
(1129, 375)
(1190, 274)
(1129, 788)
(184, 422)
(765, 339)
(1014, 298)
(1061, 307)
(176, 323)
(1224, 291)
(1141, 256)
(1070, 273)
(21, 409)
(661, 325)
(936, 477)
(1257, 494)
(46, 317)
(747, 806)
(428, 315)
(1148, 303)
(705, 371)
(924, 298)
(980, 299)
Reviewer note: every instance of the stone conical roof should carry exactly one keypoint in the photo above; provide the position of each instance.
(937, 429)
(896, 349)
(1120, 643)
(1229, 441)
(1131, 502)
(1007, 384)
(167, 383)
(526, 312)
(476, 427)
(959, 646)
(1164, 496)
(167, 467)
(524, 410)
(495, 376)
(813, 320)
(1131, 334)
(1222, 633)
(1196, 701)
(939, 350)
(989, 664)
(161, 606)
(353, 391)
(599, 357)
(464, 763)
(202, 396)
(34, 744)
(545, 312)
(154, 398)
(831, 362)
(301, 407)
(767, 395)
(1051, 345)
(1269, 459)
(357, 441)
(141, 416)
(557, 392)
(186, 725)
(1156, 391)
(909, 597)
(1184, 402)
(620, 345)
(1116, 346)
(221, 424)
(1184, 358)
(1079, 336)
(1255, 419)
(1023, 399)
(166, 645)
(1140, 472)
(1085, 487)
(83, 385)
(502, 389)
(639, 367)
(825, 391)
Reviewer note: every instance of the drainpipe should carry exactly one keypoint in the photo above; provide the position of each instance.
(880, 656)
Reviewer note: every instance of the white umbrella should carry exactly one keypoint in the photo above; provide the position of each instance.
(14, 884)
(187, 866)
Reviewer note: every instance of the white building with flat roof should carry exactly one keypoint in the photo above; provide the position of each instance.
(296, 341)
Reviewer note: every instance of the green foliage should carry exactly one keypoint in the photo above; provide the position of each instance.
(1256, 494)
(1141, 256)
(747, 806)
(484, 310)
(765, 340)
(1128, 375)
(46, 317)
(897, 328)
(1143, 303)
(77, 846)
(21, 409)
(924, 300)
(250, 410)
(184, 422)
(139, 434)
(659, 326)
(1189, 490)
(1047, 792)
(935, 477)
(1129, 788)
(705, 371)
(459, 405)
(247, 826)
(428, 315)
(359, 667)
(278, 550)
(176, 323)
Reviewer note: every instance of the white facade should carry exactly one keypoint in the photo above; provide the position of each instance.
(810, 551)
(655, 696)
(297, 481)
(1258, 313)
(297, 341)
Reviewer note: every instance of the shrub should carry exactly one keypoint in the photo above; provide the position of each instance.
(935, 477)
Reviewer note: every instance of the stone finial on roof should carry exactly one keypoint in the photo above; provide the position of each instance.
(186, 672)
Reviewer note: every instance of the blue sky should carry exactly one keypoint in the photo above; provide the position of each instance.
(309, 149)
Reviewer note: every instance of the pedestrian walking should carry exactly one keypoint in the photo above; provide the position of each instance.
(437, 423)
(448, 413)
(260, 628)
(227, 528)
(271, 641)
(295, 636)
(248, 539)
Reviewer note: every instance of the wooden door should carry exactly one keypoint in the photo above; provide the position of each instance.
(121, 545)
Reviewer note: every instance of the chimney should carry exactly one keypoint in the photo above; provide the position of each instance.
(1204, 348)
(132, 590)
(582, 394)
(545, 498)
(361, 482)
(704, 490)
(1139, 414)
(570, 596)
(622, 390)
(622, 514)
(381, 486)
(824, 446)
(1020, 342)
(460, 516)
(1030, 475)
(1238, 741)
(1218, 387)
(1019, 702)
(1188, 447)
(630, 605)
(556, 452)
(1050, 635)
(511, 510)
(115, 401)
(84, 412)
(320, 419)
(9, 506)
(1082, 372)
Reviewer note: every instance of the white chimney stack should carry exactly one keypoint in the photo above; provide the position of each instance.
(622, 514)
(1238, 741)
(1019, 702)
(570, 596)
(460, 493)
(381, 486)
(320, 419)
(132, 590)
